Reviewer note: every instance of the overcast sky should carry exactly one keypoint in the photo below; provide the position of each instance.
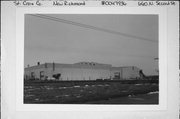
(52, 41)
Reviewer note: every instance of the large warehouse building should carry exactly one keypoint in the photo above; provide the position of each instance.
(80, 71)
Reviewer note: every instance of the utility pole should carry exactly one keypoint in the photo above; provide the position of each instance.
(157, 59)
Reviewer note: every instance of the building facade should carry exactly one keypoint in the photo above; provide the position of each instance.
(80, 71)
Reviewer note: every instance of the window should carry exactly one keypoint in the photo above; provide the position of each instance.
(116, 75)
(41, 74)
(32, 75)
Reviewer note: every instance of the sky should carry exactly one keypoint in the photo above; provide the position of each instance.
(51, 41)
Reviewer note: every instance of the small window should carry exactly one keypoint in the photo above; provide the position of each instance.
(117, 75)
(32, 75)
(41, 74)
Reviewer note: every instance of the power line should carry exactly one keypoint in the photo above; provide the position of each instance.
(90, 27)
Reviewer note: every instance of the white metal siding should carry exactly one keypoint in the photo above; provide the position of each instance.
(83, 73)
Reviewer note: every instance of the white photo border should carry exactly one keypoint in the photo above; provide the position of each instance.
(163, 63)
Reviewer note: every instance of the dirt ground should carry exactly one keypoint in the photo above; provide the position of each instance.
(84, 92)
(136, 99)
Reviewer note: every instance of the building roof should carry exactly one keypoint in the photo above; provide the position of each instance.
(123, 67)
(88, 65)
(75, 65)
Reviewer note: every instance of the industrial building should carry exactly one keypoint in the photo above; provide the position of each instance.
(80, 71)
